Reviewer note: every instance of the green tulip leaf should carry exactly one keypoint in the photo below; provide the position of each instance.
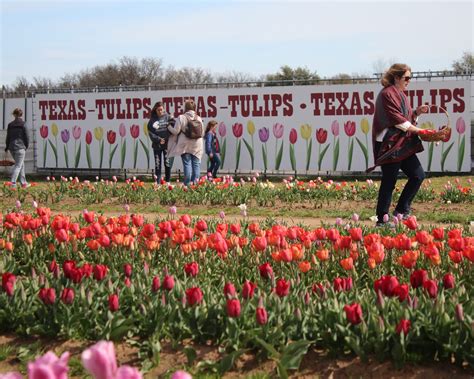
(364, 151)
(445, 155)
(77, 158)
(321, 156)
(279, 156)
(461, 152)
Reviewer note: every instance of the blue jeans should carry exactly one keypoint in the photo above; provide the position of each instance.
(214, 164)
(412, 168)
(19, 167)
(191, 168)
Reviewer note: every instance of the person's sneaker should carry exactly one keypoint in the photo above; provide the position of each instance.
(387, 224)
(26, 185)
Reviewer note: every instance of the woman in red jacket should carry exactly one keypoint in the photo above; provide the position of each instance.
(394, 121)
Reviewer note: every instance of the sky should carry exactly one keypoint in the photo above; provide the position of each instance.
(49, 39)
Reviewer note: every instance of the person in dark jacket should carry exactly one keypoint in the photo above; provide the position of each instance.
(394, 119)
(17, 143)
(159, 135)
(212, 148)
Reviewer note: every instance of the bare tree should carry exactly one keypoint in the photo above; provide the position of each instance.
(234, 77)
(381, 65)
(464, 65)
(301, 75)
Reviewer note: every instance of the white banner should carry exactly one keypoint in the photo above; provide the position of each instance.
(299, 128)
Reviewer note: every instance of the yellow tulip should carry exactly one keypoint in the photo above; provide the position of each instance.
(145, 128)
(251, 127)
(306, 131)
(54, 130)
(98, 133)
(364, 125)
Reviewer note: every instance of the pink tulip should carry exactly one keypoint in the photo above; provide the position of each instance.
(128, 372)
(122, 130)
(49, 366)
(100, 360)
(222, 129)
(181, 375)
(278, 130)
(460, 125)
(11, 375)
(76, 132)
(335, 128)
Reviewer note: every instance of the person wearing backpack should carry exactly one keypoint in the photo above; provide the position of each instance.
(212, 148)
(159, 135)
(187, 142)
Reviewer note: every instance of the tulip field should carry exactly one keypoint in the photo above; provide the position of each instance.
(83, 262)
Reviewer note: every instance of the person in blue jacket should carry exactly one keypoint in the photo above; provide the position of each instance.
(159, 135)
(212, 148)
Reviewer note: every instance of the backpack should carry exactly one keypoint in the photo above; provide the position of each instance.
(193, 129)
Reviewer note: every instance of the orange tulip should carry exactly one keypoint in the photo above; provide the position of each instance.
(323, 254)
(304, 266)
(347, 264)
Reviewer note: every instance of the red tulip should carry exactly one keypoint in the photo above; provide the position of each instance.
(47, 295)
(44, 131)
(403, 326)
(411, 223)
(353, 313)
(235, 229)
(356, 234)
(455, 256)
(350, 128)
(155, 286)
(248, 289)
(194, 295)
(191, 269)
(127, 269)
(259, 243)
(238, 130)
(431, 287)
(229, 290)
(201, 225)
(282, 287)
(135, 131)
(321, 135)
(293, 136)
(88, 137)
(100, 271)
(266, 271)
(113, 302)
(67, 295)
(262, 316)
(168, 282)
(448, 281)
(186, 219)
(61, 235)
(438, 233)
(233, 308)
(8, 283)
(401, 292)
(418, 277)
(111, 136)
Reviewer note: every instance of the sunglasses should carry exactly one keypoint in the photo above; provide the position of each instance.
(407, 78)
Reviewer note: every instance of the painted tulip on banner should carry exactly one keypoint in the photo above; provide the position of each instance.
(335, 149)
(44, 134)
(222, 129)
(99, 136)
(461, 128)
(76, 133)
(365, 127)
(293, 139)
(321, 137)
(135, 132)
(238, 130)
(250, 148)
(146, 148)
(65, 135)
(350, 128)
(278, 130)
(111, 137)
(123, 144)
(445, 151)
(88, 148)
(264, 134)
(306, 132)
(54, 132)
(429, 126)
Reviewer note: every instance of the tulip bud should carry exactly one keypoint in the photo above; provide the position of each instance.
(459, 313)
(380, 299)
(307, 298)
(298, 314)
